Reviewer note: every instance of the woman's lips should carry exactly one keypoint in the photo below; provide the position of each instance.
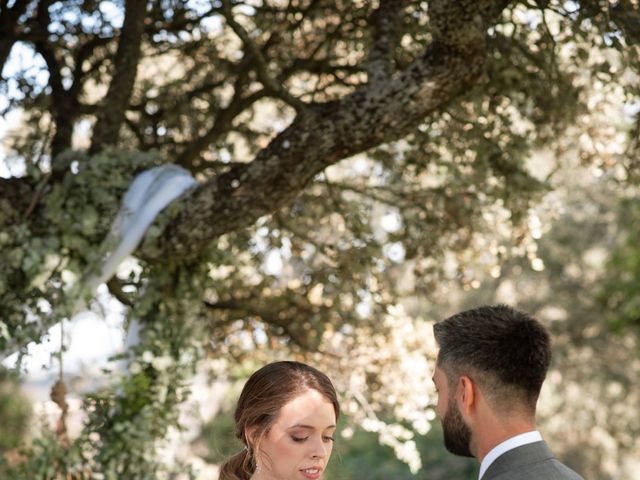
(312, 473)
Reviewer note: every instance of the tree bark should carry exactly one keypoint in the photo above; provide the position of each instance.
(323, 134)
(65, 103)
(9, 28)
(384, 23)
(112, 114)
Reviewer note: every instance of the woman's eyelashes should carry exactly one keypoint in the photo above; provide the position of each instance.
(303, 439)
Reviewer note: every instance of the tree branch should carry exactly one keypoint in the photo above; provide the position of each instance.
(9, 28)
(262, 69)
(64, 105)
(112, 115)
(280, 312)
(384, 22)
(115, 288)
(327, 133)
(220, 126)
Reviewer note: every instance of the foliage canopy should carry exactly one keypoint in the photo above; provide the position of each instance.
(350, 155)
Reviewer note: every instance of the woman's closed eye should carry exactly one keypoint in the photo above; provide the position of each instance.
(303, 439)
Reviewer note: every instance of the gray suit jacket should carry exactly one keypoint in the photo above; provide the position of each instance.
(529, 462)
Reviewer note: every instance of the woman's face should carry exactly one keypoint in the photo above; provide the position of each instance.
(299, 443)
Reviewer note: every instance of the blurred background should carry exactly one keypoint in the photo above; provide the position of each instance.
(520, 187)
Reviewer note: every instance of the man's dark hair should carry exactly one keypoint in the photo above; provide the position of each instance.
(505, 351)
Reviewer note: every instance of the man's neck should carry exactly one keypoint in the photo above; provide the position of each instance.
(485, 439)
(505, 446)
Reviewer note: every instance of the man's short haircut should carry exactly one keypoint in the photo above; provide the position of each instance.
(505, 351)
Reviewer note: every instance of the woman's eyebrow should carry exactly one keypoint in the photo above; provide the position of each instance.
(308, 427)
(299, 425)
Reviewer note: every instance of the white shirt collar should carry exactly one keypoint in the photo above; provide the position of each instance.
(509, 444)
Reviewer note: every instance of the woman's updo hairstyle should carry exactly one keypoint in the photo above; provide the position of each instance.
(262, 397)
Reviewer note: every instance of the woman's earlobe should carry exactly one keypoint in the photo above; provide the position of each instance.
(249, 437)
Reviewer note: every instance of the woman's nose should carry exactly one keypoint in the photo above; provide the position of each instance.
(319, 448)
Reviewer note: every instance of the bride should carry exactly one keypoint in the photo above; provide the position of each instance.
(286, 417)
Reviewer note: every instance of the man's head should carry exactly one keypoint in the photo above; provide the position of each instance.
(503, 352)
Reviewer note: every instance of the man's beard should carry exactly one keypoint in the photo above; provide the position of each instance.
(457, 434)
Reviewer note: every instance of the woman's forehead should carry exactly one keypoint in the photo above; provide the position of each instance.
(309, 409)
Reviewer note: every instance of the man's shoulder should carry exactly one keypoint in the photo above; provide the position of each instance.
(529, 462)
(549, 470)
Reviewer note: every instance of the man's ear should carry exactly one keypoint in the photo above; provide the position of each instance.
(466, 395)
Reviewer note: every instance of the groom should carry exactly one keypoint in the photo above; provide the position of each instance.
(490, 368)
